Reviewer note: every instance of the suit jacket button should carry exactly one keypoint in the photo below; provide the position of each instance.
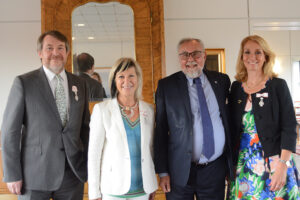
(62, 149)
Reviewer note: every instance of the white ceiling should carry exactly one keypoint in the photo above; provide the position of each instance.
(106, 22)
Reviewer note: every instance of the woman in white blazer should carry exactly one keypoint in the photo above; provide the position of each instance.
(120, 164)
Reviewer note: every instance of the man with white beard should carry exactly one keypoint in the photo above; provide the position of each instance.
(192, 151)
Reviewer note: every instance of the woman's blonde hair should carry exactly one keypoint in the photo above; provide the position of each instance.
(121, 65)
(241, 72)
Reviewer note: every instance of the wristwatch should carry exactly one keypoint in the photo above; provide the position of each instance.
(288, 163)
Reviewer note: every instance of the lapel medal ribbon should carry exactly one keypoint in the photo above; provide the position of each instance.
(75, 90)
(262, 96)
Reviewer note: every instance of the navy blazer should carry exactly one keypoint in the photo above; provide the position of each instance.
(275, 120)
(173, 137)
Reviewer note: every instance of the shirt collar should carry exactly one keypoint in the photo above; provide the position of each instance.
(190, 80)
(87, 74)
(50, 75)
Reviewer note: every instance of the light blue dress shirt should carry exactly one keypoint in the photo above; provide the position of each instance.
(213, 108)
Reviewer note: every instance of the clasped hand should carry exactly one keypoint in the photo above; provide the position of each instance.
(278, 179)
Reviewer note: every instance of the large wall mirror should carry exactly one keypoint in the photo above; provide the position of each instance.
(148, 34)
(105, 31)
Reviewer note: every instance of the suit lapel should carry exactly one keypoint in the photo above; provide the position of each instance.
(73, 86)
(241, 102)
(46, 92)
(184, 93)
(117, 118)
(213, 80)
(143, 118)
(71, 96)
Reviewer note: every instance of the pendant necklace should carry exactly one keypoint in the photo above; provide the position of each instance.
(128, 108)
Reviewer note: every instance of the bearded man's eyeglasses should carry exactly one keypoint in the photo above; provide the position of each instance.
(195, 54)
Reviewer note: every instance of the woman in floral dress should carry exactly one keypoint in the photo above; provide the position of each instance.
(264, 127)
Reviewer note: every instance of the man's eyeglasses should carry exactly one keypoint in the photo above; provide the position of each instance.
(195, 55)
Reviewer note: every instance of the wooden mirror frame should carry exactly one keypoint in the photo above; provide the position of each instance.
(149, 34)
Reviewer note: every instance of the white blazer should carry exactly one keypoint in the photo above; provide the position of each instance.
(109, 163)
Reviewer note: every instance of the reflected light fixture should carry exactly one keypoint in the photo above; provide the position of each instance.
(91, 38)
(80, 24)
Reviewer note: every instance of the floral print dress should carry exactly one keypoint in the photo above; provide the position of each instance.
(253, 173)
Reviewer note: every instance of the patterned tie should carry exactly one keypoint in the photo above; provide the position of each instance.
(60, 99)
(208, 137)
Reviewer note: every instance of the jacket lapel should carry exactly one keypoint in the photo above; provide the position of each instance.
(215, 86)
(117, 118)
(46, 92)
(144, 115)
(71, 96)
(241, 102)
(74, 97)
(184, 93)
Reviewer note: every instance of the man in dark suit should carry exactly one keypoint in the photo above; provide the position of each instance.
(86, 68)
(45, 128)
(191, 144)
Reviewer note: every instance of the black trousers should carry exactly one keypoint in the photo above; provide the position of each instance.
(206, 182)
(70, 189)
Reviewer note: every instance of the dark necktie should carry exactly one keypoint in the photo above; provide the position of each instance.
(208, 137)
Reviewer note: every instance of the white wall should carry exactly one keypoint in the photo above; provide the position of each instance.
(214, 34)
(105, 53)
(20, 28)
(223, 24)
(220, 24)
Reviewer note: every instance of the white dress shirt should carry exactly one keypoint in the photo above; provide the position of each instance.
(52, 82)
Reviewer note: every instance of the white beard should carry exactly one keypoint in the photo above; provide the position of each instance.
(191, 71)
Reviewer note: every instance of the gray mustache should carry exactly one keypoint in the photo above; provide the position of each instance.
(191, 63)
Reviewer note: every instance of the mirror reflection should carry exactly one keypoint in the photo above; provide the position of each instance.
(106, 32)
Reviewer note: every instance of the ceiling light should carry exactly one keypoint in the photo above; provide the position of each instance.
(80, 24)
(91, 38)
(73, 38)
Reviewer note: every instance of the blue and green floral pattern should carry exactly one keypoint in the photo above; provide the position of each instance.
(253, 171)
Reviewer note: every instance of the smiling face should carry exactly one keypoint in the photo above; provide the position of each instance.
(53, 54)
(253, 56)
(192, 58)
(126, 82)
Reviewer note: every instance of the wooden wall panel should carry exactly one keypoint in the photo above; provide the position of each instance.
(3, 188)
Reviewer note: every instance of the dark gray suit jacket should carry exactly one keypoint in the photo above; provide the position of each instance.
(35, 145)
(173, 139)
(94, 87)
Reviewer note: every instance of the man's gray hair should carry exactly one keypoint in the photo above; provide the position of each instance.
(185, 40)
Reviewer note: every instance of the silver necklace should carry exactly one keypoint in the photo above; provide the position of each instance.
(128, 108)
